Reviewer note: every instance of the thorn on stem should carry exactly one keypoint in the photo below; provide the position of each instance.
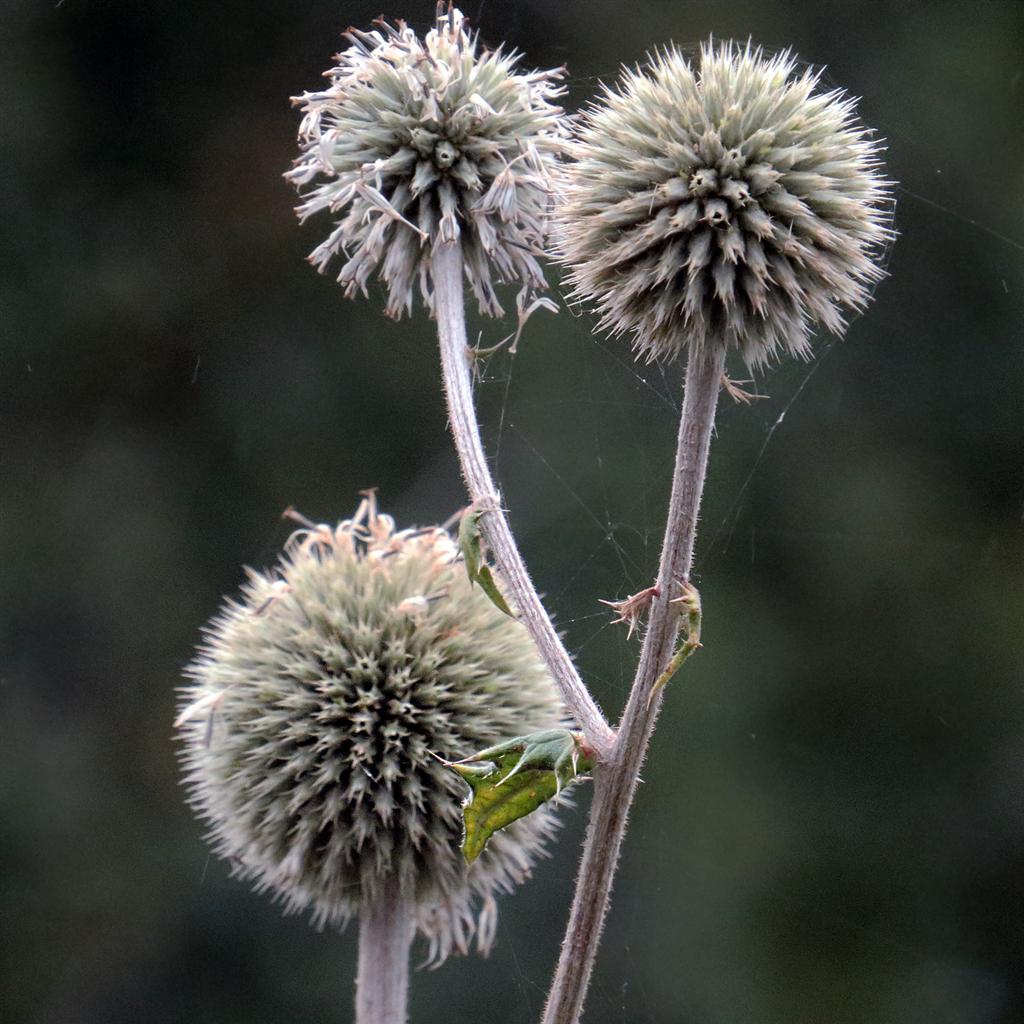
(630, 609)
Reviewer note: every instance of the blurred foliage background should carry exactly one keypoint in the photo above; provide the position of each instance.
(831, 829)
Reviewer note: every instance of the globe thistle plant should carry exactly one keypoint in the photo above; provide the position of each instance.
(418, 143)
(732, 204)
(319, 709)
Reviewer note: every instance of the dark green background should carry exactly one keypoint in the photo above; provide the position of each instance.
(831, 828)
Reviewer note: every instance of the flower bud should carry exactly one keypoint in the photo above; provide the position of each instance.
(319, 710)
(417, 143)
(731, 204)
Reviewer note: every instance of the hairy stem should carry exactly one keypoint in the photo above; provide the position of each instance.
(451, 328)
(382, 981)
(615, 781)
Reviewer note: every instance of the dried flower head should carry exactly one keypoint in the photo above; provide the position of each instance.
(421, 142)
(729, 204)
(317, 711)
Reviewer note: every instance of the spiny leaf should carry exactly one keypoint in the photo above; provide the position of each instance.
(690, 606)
(471, 545)
(510, 780)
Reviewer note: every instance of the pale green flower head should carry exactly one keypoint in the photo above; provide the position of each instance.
(729, 202)
(416, 143)
(317, 714)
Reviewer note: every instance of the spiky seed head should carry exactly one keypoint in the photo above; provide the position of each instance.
(417, 143)
(729, 204)
(317, 711)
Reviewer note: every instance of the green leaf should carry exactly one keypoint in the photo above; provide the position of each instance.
(471, 546)
(490, 588)
(510, 780)
(690, 606)
(470, 542)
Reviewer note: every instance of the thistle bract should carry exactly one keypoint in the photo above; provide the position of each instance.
(320, 708)
(728, 204)
(417, 143)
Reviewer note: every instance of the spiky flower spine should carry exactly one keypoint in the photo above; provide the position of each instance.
(732, 204)
(318, 709)
(421, 142)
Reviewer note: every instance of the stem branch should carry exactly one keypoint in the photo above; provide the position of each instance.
(616, 780)
(382, 981)
(451, 328)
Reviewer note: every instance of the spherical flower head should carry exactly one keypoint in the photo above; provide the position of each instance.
(729, 204)
(417, 143)
(319, 708)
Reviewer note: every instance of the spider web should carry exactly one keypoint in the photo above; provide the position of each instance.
(615, 520)
(618, 396)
